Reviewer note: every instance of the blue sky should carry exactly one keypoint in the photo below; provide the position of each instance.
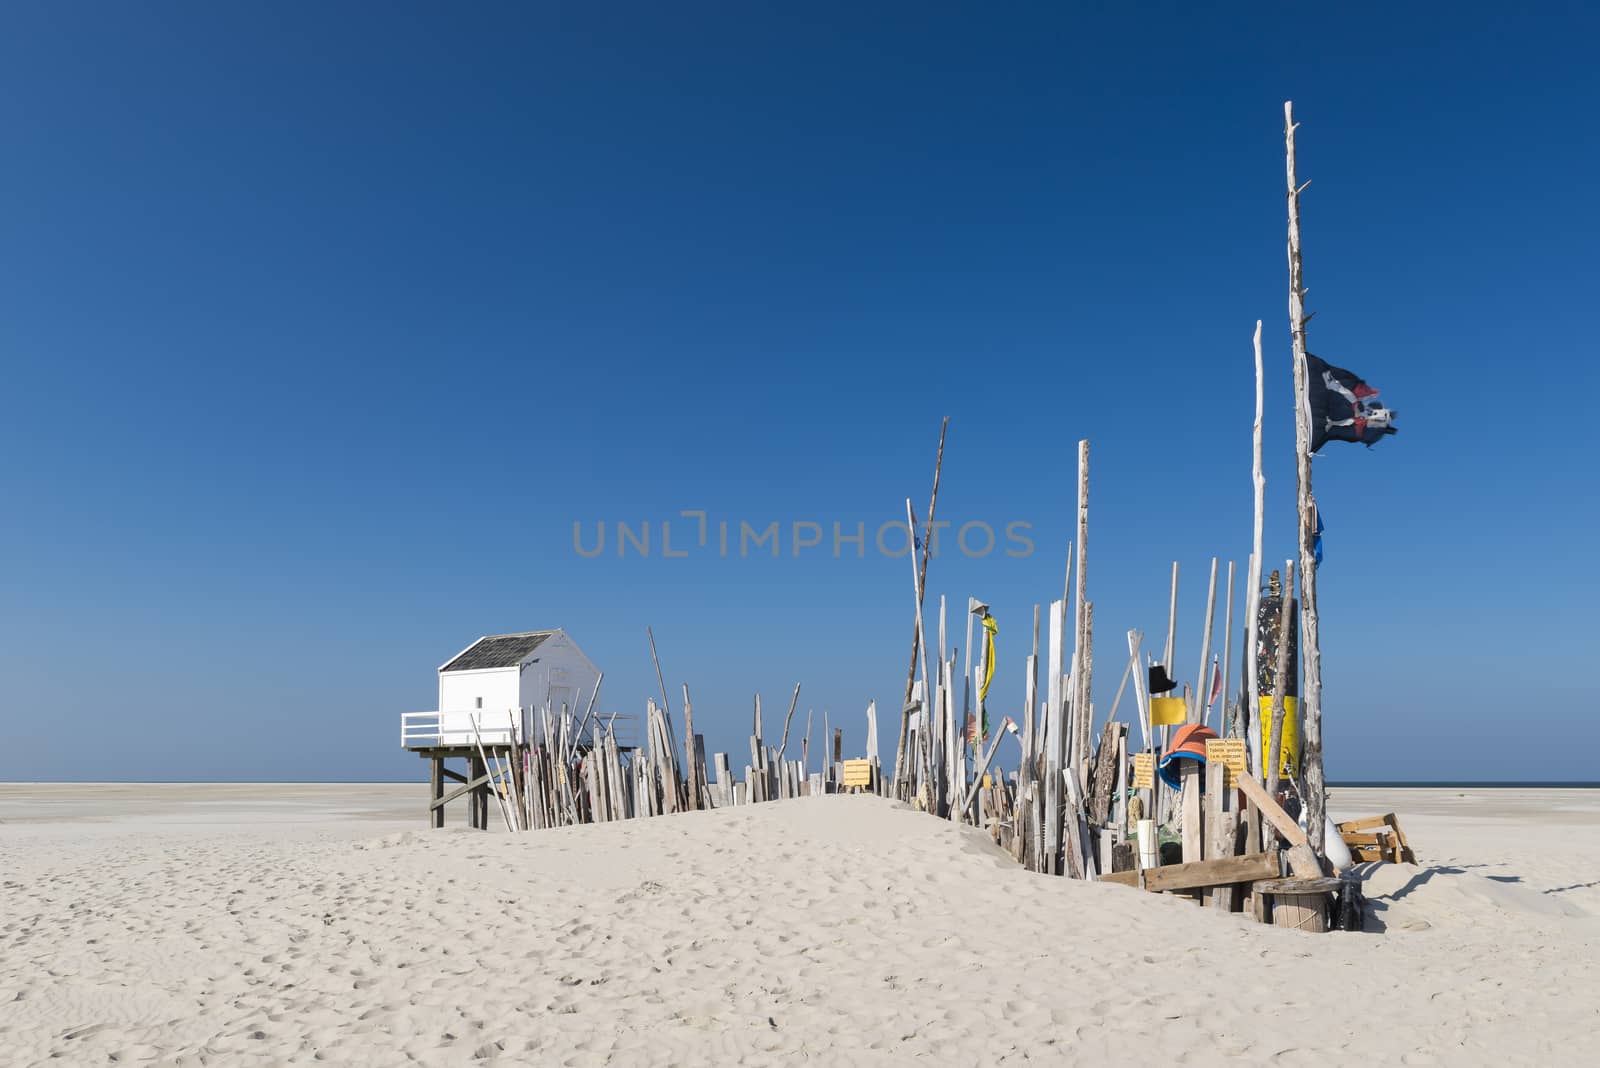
(321, 327)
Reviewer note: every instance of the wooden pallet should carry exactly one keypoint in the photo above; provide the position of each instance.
(1377, 838)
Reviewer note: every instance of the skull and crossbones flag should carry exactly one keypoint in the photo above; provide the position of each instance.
(1343, 406)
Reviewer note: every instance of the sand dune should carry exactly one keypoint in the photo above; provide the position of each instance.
(291, 927)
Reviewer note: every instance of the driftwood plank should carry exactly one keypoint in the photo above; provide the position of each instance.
(1302, 861)
(1105, 775)
(1193, 828)
(1222, 827)
(1271, 810)
(1202, 873)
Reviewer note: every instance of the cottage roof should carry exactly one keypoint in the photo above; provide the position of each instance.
(498, 650)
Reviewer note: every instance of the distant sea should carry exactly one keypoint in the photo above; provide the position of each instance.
(1464, 784)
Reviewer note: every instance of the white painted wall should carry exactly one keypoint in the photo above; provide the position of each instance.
(460, 690)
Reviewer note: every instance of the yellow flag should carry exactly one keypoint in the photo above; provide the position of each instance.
(1168, 711)
(989, 629)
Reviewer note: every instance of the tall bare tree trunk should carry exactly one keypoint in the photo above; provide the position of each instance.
(1311, 649)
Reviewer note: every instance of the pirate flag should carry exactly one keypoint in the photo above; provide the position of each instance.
(1343, 406)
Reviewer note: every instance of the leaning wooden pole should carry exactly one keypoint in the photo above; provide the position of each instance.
(595, 693)
(1163, 799)
(1202, 681)
(679, 796)
(783, 743)
(922, 584)
(1172, 624)
(1310, 646)
(1009, 725)
(665, 704)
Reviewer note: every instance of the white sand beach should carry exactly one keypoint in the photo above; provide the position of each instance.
(289, 924)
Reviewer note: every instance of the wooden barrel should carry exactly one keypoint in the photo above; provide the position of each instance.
(1300, 912)
(1300, 904)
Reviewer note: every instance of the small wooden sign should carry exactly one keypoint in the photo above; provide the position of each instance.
(857, 773)
(1143, 771)
(1229, 753)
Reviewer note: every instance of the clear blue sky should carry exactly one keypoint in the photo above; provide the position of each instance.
(321, 326)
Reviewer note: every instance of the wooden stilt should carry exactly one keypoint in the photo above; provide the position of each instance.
(436, 792)
(480, 794)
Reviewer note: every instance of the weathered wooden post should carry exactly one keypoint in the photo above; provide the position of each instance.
(1055, 739)
(1253, 585)
(1223, 712)
(1082, 658)
(758, 759)
(958, 733)
(689, 753)
(1311, 649)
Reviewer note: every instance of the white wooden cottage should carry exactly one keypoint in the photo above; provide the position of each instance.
(498, 684)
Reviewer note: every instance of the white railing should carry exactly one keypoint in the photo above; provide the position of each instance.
(436, 730)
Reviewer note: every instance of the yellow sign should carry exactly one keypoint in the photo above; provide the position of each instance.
(1143, 771)
(1290, 749)
(858, 773)
(1227, 753)
(1168, 711)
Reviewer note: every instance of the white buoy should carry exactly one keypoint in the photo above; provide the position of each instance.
(1333, 846)
(1148, 851)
